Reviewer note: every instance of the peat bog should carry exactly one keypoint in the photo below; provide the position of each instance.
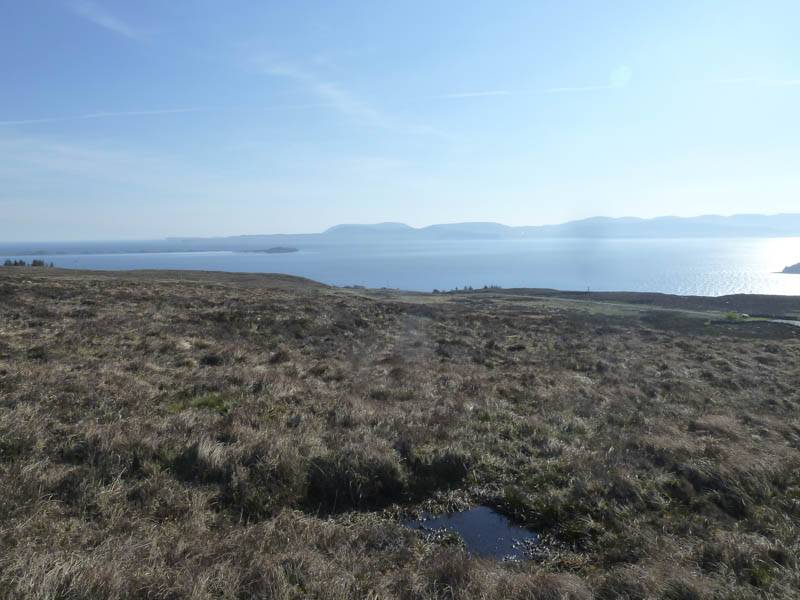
(169, 435)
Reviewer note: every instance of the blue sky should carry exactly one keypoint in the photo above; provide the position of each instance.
(146, 119)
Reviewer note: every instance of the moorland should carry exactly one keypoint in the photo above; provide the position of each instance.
(216, 435)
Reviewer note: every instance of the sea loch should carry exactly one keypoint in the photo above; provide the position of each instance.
(708, 267)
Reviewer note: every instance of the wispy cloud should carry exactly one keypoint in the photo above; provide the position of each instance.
(299, 106)
(331, 93)
(757, 82)
(99, 16)
(587, 88)
(101, 115)
(619, 78)
(342, 100)
(476, 94)
(32, 154)
(138, 113)
(730, 81)
(28, 122)
(782, 82)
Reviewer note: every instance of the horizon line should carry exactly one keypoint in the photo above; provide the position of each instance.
(420, 228)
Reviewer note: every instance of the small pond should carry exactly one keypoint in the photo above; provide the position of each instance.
(485, 532)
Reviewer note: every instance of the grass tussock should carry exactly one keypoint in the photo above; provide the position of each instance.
(189, 439)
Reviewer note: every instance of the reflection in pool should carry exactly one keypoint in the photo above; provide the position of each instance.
(485, 532)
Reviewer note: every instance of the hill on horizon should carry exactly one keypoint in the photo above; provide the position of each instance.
(742, 225)
(705, 226)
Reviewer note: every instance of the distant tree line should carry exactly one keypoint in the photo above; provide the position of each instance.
(21, 263)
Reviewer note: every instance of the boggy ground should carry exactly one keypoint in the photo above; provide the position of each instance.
(166, 438)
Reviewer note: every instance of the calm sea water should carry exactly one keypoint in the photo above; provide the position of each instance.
(708, 267)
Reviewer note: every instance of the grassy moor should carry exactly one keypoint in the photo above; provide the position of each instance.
(199, 435)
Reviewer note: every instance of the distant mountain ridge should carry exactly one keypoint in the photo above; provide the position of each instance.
(706, 226)
(752, 225)
(746, 225)
(377, 227)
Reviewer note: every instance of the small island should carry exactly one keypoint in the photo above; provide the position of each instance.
(275, 250)
(794, 269)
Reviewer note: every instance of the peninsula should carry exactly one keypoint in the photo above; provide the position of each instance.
(275, 250)
(794, 269)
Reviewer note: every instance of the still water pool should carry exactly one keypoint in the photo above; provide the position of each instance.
(485, 532)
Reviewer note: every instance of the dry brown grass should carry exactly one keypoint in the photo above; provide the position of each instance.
(195, 439)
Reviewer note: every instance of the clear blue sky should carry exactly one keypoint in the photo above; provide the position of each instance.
(145, 119)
